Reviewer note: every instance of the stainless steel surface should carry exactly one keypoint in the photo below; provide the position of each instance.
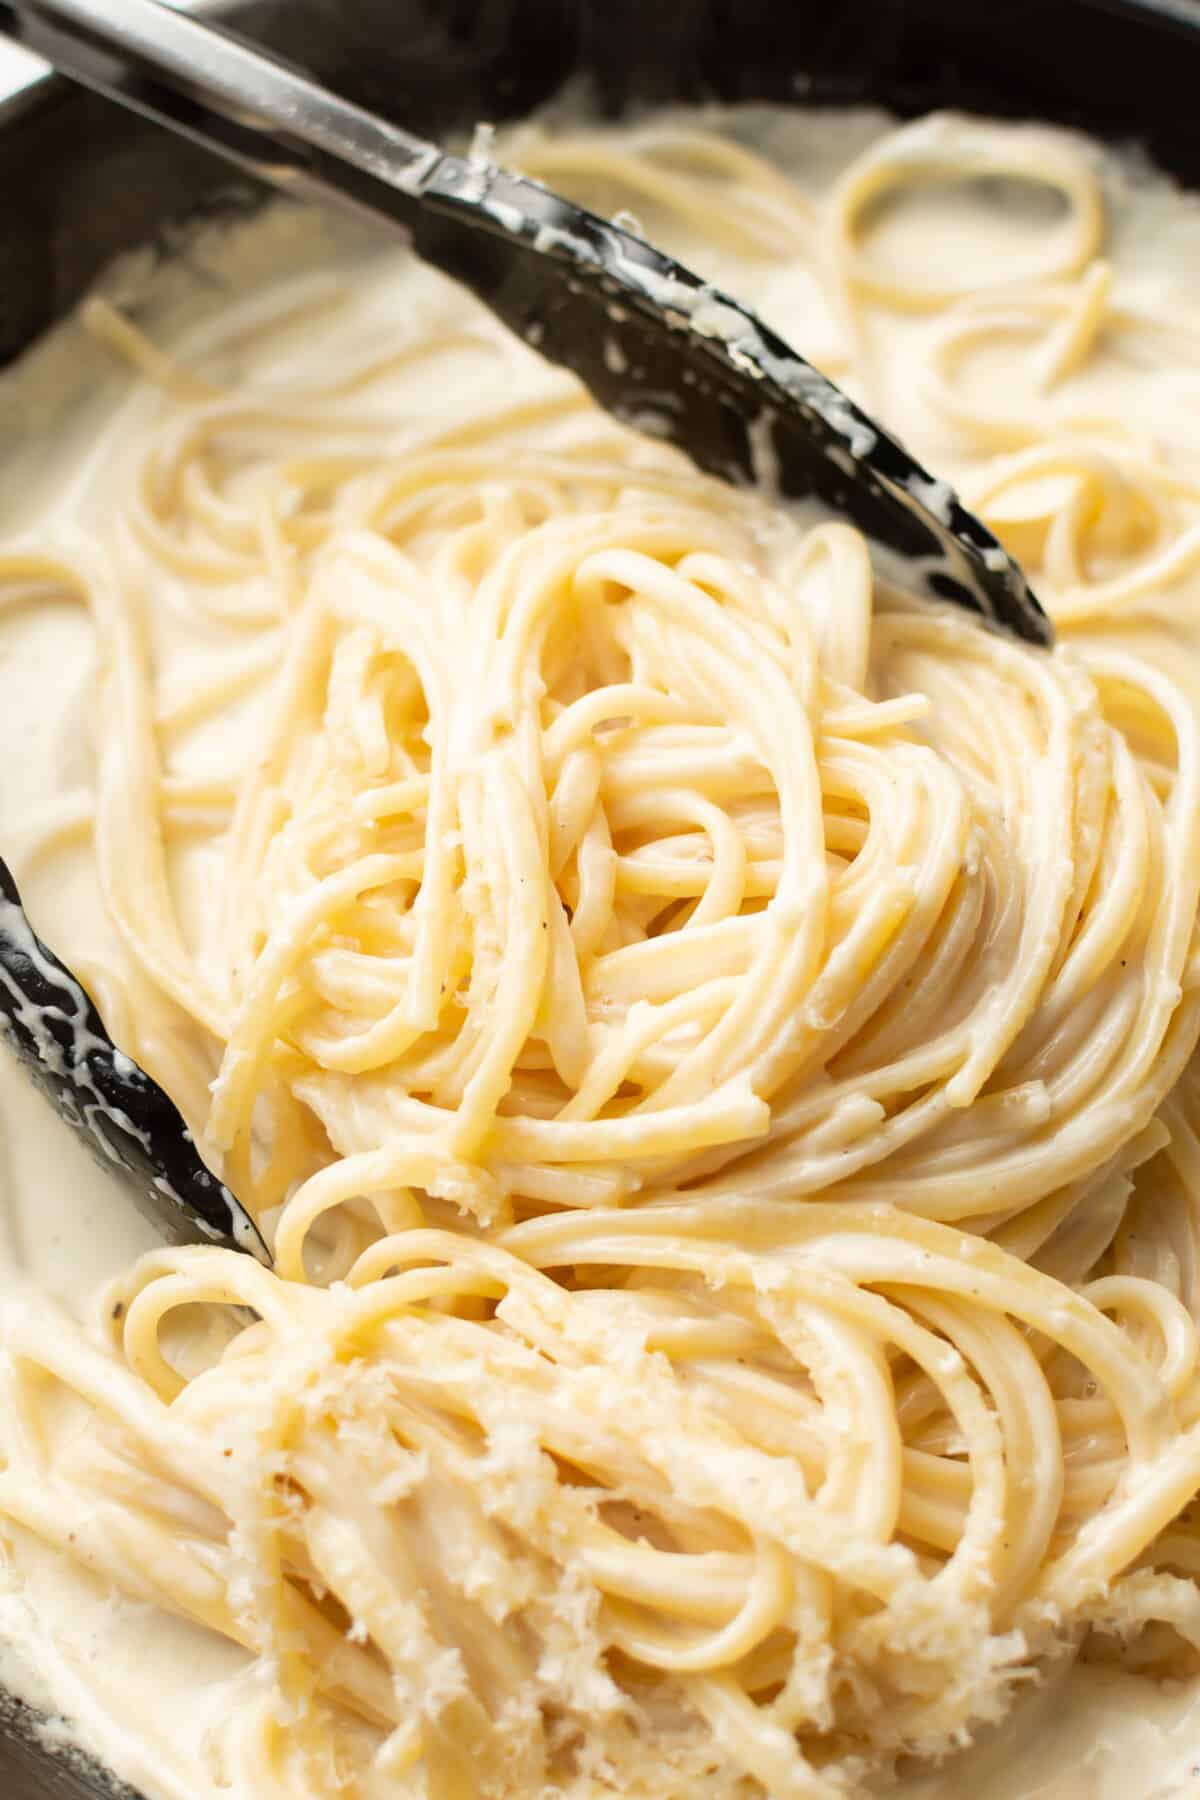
(269, 119)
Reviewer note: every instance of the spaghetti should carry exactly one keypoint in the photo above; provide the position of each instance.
(710, 1037)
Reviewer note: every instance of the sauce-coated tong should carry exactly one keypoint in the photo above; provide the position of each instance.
(655, 345)
(131, 1126)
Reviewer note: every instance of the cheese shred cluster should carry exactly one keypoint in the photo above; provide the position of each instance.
(708, 1035)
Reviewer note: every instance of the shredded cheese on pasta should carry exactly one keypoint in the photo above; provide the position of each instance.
(710, 1036)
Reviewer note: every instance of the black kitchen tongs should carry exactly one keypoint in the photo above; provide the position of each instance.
(655, 345)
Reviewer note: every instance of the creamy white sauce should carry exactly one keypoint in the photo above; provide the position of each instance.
(144, 1691)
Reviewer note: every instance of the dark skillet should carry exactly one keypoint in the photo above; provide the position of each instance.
(82, 183)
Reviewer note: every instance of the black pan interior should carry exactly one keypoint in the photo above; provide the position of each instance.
(82, 182)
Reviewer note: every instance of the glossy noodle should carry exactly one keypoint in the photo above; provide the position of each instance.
(709, 1036)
